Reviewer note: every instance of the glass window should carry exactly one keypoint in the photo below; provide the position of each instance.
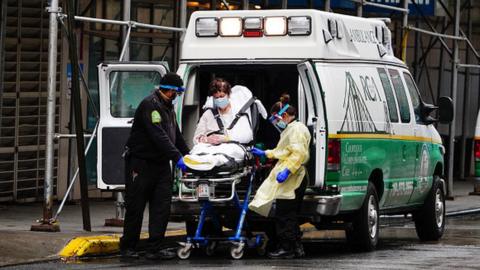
(392, 105)
(129, 88)
(416, 101)
(401, 96)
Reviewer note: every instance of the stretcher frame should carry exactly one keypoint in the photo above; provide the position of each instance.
(238, 241)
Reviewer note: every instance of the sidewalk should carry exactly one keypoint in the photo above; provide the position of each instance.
(19, 244)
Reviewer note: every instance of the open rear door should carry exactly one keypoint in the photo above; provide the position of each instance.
(315, 118)
(122, 86)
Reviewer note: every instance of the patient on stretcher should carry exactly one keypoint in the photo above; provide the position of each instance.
(225, 127)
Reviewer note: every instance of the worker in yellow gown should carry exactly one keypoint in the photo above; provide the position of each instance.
(285, 184)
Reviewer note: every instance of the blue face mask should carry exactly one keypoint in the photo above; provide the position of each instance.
(281, 124)
(221, 102)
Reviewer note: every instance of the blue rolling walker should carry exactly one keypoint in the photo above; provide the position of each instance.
(203, 193)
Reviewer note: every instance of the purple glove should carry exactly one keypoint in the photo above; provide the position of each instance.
(283, 175)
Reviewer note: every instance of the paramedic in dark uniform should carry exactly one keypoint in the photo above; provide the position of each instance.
(154, 141)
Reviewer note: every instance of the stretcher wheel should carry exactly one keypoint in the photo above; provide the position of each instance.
(184, 252)
(210, 248)
(237, 250)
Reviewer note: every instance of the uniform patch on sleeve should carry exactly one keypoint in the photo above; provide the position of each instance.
(156, 118)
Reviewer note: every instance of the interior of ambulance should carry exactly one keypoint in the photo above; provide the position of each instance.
(266, 82)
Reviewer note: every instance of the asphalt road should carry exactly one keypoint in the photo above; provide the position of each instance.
(398, 248)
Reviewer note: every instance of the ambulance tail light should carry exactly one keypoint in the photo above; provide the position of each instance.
(206, 27)
(333, 158)
(299, 26)
(230, 27)
(477, 150)
(253, 27)
(275, 26)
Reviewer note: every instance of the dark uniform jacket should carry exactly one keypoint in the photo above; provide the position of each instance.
(155, 134)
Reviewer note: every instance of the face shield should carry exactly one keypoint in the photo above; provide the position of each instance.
(277, 120)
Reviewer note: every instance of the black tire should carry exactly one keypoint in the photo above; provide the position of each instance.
(363, 235)
(430, 219)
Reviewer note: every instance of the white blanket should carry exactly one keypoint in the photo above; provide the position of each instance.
(204, 157)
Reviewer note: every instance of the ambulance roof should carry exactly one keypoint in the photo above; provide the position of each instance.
(359, 39)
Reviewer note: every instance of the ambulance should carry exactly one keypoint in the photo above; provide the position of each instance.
(374, 149)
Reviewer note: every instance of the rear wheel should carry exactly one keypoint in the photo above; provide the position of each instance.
(430, 219)
(363, 235)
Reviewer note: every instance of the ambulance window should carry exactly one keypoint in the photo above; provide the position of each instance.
(401, 96)
(128, 88)
(414, 95)
(392, 105)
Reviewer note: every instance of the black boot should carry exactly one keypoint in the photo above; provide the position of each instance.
(282, 253)
(298, 249)
(129, 254)
(163, 254)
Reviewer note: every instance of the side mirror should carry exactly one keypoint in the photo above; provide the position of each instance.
(445, 111)
(426, 110)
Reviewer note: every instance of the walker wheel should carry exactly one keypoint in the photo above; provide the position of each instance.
(210, 248)
(184, 252)
(237, 250)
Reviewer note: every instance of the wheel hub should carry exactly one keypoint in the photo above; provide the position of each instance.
(439, 208)
(372, 217)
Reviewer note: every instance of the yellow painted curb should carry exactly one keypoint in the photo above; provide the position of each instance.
(100, 244)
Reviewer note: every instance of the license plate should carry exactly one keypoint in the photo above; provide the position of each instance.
(203, 191)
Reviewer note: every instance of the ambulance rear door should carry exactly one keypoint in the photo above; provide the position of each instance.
(316, 122)
(122, 86)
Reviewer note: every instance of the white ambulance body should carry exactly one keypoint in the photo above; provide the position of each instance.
(373, 147)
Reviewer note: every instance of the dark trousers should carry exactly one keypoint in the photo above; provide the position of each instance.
(286, 219)
(146, 181)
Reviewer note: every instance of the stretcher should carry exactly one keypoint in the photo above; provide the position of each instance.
(214, 186)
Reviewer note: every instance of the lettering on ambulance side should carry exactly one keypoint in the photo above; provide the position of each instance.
(401, 188)
(353, 188)
(353, 157)
(363, 36)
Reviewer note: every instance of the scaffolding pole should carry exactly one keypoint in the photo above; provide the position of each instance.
(46, 224)
(452, 131)
(359, 9)
(466, 98)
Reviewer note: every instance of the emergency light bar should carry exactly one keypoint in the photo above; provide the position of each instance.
(253, 26)
(299, 26)
(230, 27)
(275, 26)
(206, 27)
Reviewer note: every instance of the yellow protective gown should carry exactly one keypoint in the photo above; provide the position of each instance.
(292, 152)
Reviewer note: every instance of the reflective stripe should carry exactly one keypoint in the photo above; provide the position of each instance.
(382, 136)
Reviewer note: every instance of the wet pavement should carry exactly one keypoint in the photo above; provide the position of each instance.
(399, 248)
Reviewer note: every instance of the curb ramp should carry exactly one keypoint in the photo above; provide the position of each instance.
(98, 245)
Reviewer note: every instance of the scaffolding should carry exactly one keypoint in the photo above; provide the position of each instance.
(458, 36)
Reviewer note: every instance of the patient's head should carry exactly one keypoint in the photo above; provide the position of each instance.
(220, 90)
(282, 112)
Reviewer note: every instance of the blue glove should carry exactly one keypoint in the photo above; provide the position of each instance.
(258, 152)
(181, 165)
(283, 175)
